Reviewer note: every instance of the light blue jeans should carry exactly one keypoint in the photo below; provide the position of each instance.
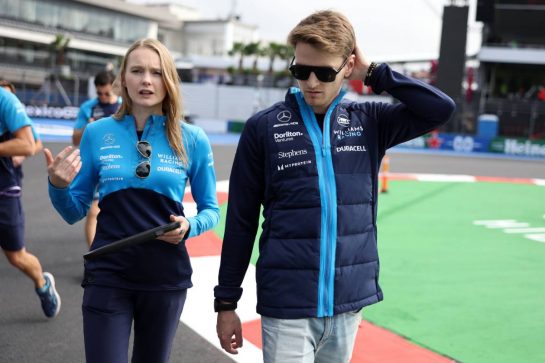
(310, 340)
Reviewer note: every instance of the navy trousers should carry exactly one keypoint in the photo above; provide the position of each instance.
(108, 314)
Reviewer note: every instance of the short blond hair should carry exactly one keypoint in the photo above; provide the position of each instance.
(172, 103)
(326, 30)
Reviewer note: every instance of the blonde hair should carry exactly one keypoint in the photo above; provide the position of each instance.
(172, 103)
(326, 30)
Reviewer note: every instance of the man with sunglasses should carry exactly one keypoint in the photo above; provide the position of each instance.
(311, 162)
(104, 105)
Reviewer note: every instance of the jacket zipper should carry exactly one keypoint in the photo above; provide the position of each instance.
(328, 235)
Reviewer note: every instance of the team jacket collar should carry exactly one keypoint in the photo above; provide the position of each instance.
(153, 120)
(291, 98)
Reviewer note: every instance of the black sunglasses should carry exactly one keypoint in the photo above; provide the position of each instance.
(324, 74)
(143, 169)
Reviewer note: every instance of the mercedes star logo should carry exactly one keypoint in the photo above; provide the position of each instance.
(284, 116)
(108, 139)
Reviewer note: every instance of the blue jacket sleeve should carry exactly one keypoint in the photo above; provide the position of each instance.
(246, 190)
(73, 202)
(203, 186)
(421, 107)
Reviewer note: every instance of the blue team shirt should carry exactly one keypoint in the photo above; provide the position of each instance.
(12, 118)
(95, 109)
(130, 205)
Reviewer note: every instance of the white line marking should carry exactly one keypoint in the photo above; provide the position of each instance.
(525, 230)
(445, 178)
(199, 312)
(501, 223)
(536, 237)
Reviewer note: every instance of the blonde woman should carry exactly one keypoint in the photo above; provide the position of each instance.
(141, 159)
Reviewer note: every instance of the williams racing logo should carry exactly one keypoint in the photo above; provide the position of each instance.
(355, 131)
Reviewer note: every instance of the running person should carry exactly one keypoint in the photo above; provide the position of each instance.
(105, 104)
(16, 139)
(18, 160)
(141, 159)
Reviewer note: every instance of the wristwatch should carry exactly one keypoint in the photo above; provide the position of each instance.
(220, 305)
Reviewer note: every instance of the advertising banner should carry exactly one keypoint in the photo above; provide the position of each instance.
(518, 147)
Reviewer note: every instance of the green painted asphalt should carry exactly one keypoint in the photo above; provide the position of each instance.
(473, 293)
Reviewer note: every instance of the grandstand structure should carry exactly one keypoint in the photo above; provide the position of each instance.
(512, 66)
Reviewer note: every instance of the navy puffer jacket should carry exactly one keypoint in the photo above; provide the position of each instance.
(318, 189)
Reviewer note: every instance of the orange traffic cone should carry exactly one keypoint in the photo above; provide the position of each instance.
(384, 174)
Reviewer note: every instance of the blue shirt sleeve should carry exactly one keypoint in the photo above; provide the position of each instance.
(35, 133)
(84, 114)
(73, 202)
(12, 113)
(202, 178)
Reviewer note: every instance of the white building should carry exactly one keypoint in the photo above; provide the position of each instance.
(100, 31)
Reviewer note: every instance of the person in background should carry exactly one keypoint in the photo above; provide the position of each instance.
(16, 139)
(18, 160)
(141, 159)
(312, 163)
(105, 104)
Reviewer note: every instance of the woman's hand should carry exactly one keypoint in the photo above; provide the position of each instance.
(64, 167)
(176, 235)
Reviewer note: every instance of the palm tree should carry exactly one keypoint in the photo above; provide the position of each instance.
(253, 49)
(58, 48)
(287, 53)
(273, 51)
(238, 48)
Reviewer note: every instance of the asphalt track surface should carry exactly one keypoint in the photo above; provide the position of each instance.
(27, 336)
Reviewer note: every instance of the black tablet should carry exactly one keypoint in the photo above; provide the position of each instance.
(145, 236)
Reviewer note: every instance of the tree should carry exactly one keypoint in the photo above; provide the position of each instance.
(238, 49)
(287, 53)
(58, 48)
(253, 49)
(273, 51)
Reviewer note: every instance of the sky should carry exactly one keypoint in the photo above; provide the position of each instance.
(384, 28)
